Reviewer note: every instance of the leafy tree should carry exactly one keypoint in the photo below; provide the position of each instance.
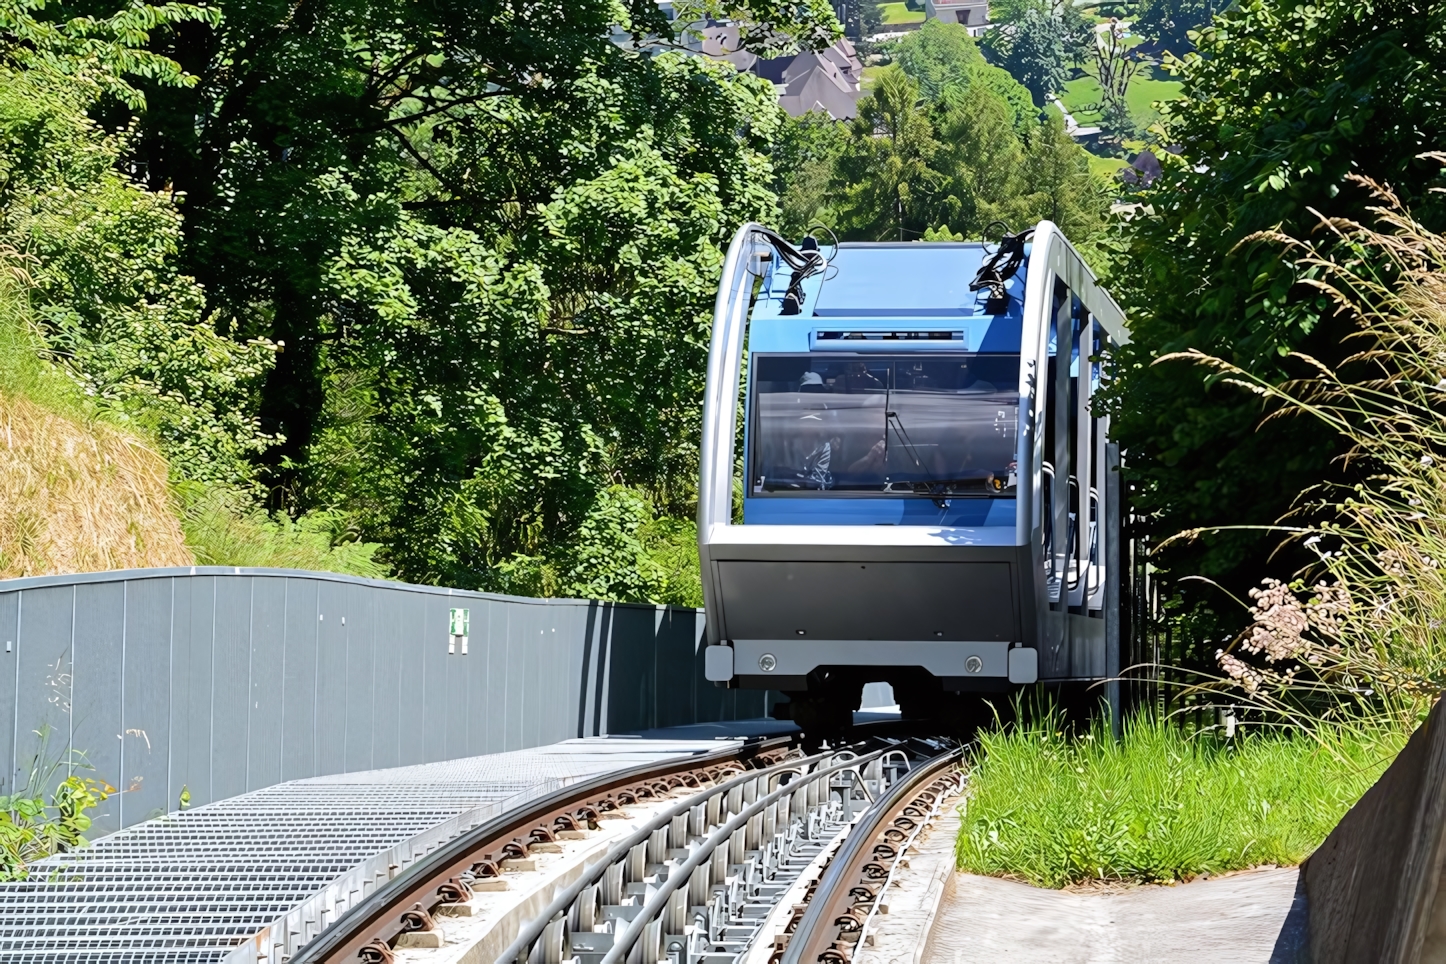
(1115, 68)
(960, 161)
(497, 381)
(1010, 17)
(1059, 186)
(803, 156)
(487, 237)
(1169, 22)
(887, 184)
(1284, 103)
(943, 56)
(101, 253)
(1037, 54)
(983, 159)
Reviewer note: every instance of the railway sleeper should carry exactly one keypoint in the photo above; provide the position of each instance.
(671, 897)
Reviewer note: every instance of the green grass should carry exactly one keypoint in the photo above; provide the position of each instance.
(224, 527)
(1105, 166)
(894, 13)
(1159, 806)
(1081, 96)
(24, 371)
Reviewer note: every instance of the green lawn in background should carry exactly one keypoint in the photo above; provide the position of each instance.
(1080, 96)
(1144, 91)
(871, 76)
(894, 13)
(1106, 166)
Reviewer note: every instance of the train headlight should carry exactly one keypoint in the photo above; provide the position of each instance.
(973, 664)
(767, 663)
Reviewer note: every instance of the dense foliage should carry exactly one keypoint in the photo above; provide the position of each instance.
(943, 140)
(435, 277)
(1038, 41)
(99, 252)
(1168, 23)
(1283, 103)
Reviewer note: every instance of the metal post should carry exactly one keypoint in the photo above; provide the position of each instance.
(1113, 576)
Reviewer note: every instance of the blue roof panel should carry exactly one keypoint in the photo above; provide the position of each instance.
(908, 279)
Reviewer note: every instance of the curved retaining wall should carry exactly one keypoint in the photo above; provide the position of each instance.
(1373, 886)
(215, 681)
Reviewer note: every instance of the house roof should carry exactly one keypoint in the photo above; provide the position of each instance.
(814, 82)
(826, 80)
(720, 41)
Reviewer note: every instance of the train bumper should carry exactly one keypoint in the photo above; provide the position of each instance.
(789, 661)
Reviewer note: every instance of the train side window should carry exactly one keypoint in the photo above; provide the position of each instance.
(1081, 453)
(1054, 522)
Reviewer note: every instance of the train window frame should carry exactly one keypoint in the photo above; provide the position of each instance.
(1000, 484)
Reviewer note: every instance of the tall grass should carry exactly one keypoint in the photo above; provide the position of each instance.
(224, 528)
(1160, 805)
(76, 494)
(80, 493)
(1364, 634)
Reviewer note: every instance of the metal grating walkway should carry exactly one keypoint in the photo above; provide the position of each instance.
(188, 887)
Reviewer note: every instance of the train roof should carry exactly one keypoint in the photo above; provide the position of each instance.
(921, 282)
(911, 279)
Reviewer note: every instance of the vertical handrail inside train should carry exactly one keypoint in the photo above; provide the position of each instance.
(1071, 539)
(1046, 489)
(1094, 571)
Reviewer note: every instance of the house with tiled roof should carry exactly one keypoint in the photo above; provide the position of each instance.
(827, 80)
(971, 13)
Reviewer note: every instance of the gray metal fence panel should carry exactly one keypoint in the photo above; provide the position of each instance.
(146, 701)
(298, 714)
(386, 741)
(9, 678)
(231, 685)
(43, 640)
(360, 654)
(331, 678)
(456, 737)
(496, 655)
(434, 712)
(194, 682)
(412, 681)
(95, 668)
(211, 682)
(267, 671)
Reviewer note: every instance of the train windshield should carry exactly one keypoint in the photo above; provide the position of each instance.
(935, 426)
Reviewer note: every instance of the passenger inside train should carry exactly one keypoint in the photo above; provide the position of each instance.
(935, 426)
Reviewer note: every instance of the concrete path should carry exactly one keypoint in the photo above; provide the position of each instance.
(1242, 918)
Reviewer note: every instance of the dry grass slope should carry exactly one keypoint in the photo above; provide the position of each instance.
(80, 497)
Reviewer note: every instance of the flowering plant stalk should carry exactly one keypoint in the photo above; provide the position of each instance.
(1362, 636)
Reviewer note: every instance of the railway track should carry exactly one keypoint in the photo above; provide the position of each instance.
(756, 855)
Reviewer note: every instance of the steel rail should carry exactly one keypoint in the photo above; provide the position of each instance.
(533, 929)
(682, 874)
(811, 939)
(889, 881)
(381, 915)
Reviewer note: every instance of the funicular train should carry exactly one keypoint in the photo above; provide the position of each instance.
(928, 495)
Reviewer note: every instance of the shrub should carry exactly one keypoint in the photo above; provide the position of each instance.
(30, 828)
(1362, 631)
